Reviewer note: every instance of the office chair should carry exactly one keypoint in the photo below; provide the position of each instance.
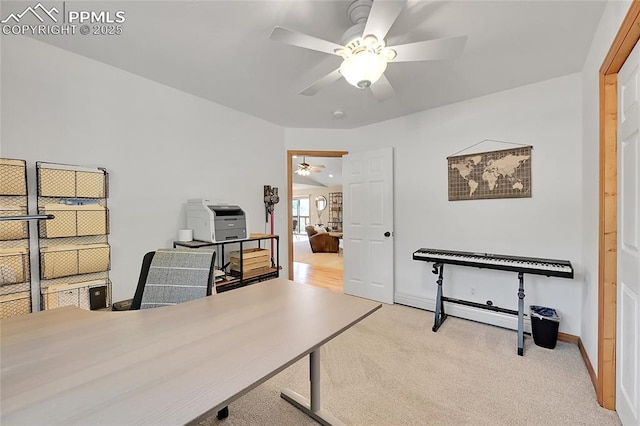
(172, 276)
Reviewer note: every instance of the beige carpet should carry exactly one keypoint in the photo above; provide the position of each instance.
(391, 369)
(302, 253)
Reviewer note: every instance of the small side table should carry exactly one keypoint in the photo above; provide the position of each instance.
(339, 236)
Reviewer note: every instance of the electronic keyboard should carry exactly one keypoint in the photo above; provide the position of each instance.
(521, 265)
(527, 265)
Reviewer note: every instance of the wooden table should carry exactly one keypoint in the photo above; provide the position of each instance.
(171, 365)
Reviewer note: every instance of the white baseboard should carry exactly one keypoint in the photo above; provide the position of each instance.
(467, 312)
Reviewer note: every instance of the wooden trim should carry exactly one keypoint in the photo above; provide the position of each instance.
(576, 340)
(626, 38)
(290, 155)
(607, 242)
(588, 364)
(569, 338)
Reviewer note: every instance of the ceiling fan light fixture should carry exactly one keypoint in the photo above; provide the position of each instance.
(389, 54)
(364, 68)
(303, 172)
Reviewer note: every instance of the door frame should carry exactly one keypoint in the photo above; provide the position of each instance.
(290, 154)
(626, 38)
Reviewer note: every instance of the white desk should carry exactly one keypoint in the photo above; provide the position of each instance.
(168, 365)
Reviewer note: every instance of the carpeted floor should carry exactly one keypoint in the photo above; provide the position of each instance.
(391, 369)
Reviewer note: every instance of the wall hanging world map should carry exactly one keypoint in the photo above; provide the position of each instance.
(495, 174)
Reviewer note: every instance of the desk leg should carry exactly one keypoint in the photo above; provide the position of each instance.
(520, 314)
(312, 408)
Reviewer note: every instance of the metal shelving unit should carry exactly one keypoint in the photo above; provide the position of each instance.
(74, 248)
(335, 211)
(240, 277)
(15, 269)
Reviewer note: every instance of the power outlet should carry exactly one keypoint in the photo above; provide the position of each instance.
(473, 291)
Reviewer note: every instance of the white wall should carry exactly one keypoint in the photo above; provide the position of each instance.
(160, 146)
(545, 115)
(610, 22)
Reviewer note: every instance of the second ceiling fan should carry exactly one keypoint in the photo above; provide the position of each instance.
(364, 50)
(305, 169)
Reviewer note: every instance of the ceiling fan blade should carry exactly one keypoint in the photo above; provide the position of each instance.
(295, 38)
(382, 16)
(322, 83)
(382, 89)
(430, 50)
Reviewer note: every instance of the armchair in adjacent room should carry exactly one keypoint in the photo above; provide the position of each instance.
(172, 276)
(322, 242)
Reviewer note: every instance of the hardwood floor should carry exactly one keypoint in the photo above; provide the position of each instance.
(319, 276)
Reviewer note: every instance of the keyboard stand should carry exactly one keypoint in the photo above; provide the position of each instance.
(520, 313)
(440, 314)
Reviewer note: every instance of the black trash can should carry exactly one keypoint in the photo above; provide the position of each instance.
(544, 326)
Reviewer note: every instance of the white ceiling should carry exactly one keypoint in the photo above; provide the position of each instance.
(221, 51)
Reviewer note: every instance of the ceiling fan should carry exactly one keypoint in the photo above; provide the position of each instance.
(364, 50)
(305, 169)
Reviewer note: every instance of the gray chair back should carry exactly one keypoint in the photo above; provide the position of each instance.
(177, 276)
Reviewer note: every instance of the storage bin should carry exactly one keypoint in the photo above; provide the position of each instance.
(73, 221)
(71, 294)
(56, 183)
(14, 266)
(13, 229)
(13, 178)
(15, 304)
(252, 259)
(90, 185)
(66, 260)
(71, 183)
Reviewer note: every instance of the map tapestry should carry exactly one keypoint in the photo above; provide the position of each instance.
(495, 174)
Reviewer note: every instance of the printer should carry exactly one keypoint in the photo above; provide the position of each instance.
(216, 222)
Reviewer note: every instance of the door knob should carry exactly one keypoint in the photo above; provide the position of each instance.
(387, 234)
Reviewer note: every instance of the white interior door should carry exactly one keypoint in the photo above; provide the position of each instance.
(627, 352)
(368, 224)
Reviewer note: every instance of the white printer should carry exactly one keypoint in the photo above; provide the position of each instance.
(216, 222)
